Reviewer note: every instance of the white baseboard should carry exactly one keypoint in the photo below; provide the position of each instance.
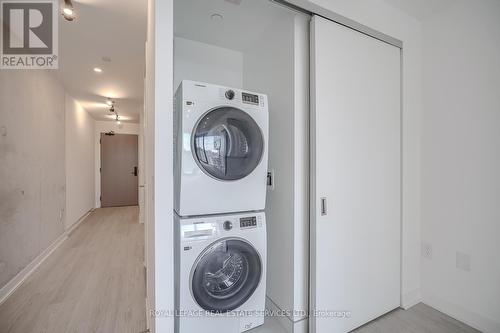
(411, 298)
(476, 320)
(23, 275)
(77, 223)
(17, 280)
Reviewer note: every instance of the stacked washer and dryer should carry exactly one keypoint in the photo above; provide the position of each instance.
(220, 175)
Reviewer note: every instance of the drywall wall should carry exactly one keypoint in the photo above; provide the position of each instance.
(301, 168)
(103, 127)
(80, 169)
(278, 67)
(461, 161)
(159, 167)
(206, 63)
(32, 167)
(269, 69)
(379, 15)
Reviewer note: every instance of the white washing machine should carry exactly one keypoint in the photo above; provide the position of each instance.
(220, 273)
(220, 149)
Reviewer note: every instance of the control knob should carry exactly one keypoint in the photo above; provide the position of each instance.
(230, 94)
(227, 225)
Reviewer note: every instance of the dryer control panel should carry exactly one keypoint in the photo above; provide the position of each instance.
(250, 98)
(248, 222)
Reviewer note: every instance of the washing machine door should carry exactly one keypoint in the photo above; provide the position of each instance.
(226, 275)
(227, 143)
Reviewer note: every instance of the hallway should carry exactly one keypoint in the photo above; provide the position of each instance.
(94, 282)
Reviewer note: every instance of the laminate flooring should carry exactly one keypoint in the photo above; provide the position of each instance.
(93, 282)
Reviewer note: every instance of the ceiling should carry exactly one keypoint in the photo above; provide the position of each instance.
(116, 29)
(105, 28)
(243, 23)
(421, 9)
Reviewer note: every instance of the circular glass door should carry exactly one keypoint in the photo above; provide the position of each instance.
(227, 143)
(226, 275)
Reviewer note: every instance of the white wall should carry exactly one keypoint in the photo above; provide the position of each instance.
(103, 127)
(32, 175)
(80, 169)
(378, 15)
(206, 63)
(268, 69)
(158, 165)
(461, 161)
(278, 66)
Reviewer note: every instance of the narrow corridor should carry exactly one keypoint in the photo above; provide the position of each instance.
(94, 282)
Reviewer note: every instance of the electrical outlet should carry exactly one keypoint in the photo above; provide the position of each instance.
(463, 261)
(427, 250)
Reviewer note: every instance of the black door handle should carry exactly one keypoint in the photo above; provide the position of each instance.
(135, 171)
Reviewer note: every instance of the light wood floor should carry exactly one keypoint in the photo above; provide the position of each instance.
(419, 319)
(94, 282)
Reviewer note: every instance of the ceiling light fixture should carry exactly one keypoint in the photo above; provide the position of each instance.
(110, 102)
(68, 11)
(216, 17)
(97, 70)
(118, 120)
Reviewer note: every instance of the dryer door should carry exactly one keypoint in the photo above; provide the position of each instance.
(226, 275)
(227, 143)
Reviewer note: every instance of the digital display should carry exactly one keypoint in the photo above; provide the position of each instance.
(250, 99)
(248, 222)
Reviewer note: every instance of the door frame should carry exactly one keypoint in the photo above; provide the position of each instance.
(103, 135)
(104, 127)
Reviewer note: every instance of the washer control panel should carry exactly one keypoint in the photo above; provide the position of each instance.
(248, 222)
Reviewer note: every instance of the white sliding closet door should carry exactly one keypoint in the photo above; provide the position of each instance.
(356, 175)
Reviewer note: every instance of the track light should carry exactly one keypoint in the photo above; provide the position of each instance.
(118, 120)
(112, 108)
(68, 11)
(110, 102)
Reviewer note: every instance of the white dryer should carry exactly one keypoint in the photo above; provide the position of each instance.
(220, 273)
(220, 149)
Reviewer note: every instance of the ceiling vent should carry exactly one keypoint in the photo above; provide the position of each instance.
(234, 2)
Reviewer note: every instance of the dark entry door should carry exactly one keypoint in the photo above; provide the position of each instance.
(119, 161)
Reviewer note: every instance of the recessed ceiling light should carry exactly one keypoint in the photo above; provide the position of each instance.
(216, 17)
(97, 70)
